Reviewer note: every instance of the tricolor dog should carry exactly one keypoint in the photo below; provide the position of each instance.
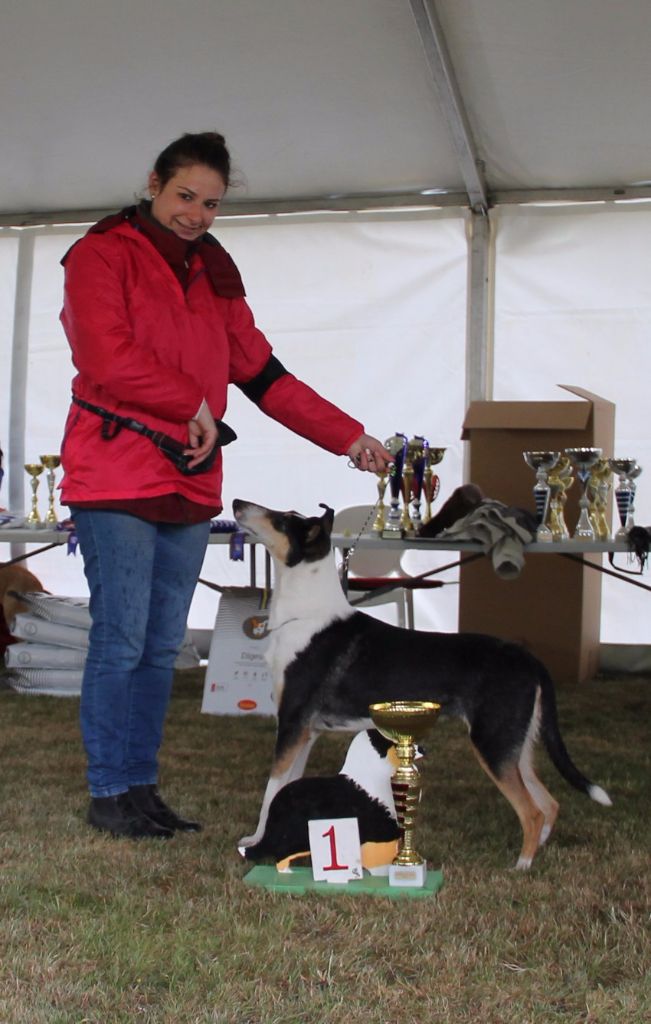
(361, 790)
(329, 662)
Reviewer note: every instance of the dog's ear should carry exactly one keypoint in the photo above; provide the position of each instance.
(327, 518)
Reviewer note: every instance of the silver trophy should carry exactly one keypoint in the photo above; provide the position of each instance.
(627, 471)
(417, 456)
(542, 463)
(397, 446)
(583, 460)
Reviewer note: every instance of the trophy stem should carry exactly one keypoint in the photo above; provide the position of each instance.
(50, 516)
(380, 515)
(406, 785)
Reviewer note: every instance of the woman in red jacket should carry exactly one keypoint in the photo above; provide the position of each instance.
(158, 325)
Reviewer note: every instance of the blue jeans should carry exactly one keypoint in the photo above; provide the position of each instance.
(141, 577)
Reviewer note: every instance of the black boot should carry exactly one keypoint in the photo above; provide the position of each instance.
(119, 816)
(148, 800)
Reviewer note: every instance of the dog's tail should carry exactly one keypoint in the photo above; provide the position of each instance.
(550, 734)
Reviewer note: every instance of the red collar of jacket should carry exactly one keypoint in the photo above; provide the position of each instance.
(221, 270)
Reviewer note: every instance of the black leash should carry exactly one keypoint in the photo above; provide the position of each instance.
(21, 558)
(601, 568)
(112, 424)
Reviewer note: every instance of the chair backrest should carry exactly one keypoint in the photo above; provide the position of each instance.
(365, 562)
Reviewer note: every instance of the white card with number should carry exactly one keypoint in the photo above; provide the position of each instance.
(335, 849)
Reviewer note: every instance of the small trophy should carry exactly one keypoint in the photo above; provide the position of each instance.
(431, 482)
(417, 452)
(397, 446)
(405, 723)
(380, 509)
(583, 460)
(51, 463)
(406, 489)
(542, 463)
(598, 488)
(627, 471)
(560, 480)
(33, 521)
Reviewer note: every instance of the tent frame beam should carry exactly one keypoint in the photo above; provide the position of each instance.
(359, 203)
(451, 102)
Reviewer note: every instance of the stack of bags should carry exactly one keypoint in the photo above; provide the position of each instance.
(53, 635)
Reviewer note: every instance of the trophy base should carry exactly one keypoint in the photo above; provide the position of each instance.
(414, 875)
(397, 533)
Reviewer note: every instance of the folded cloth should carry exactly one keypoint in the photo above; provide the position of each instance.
(462, 501)
(501, 530)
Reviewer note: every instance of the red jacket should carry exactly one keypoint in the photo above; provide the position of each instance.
(146, 349)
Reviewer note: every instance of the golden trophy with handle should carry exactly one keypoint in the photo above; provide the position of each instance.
(34, 521)
(51, 463)
(405, 722)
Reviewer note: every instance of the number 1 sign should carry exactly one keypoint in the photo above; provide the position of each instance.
(335, 849)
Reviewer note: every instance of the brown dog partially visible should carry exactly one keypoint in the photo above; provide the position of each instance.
(14, 580)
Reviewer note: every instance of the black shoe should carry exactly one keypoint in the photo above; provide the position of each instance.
(119, 816)
(148, 800)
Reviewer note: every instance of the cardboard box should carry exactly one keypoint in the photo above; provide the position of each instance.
(554, 607)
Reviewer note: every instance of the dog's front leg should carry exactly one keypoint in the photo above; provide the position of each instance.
(286, 768)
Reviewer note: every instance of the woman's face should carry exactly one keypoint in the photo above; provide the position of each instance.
(189, 202)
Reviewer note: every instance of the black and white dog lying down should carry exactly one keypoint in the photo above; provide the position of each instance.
(330, 662)
(361, 790)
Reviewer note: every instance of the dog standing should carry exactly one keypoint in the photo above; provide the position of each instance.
(330, 662)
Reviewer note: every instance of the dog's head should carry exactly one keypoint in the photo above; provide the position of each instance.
(288, 536)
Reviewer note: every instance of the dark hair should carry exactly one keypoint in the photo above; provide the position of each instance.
(207, 148)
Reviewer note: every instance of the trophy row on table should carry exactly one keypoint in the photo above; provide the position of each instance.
(412, 484)
(50, 463)
(554, 477)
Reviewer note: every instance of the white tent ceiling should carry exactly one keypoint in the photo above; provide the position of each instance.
(318, 97)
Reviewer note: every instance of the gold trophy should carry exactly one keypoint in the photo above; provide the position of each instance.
(408, 473)
(584, 460)
(405, 722)
(431, 482)
(33, 521)
(380, 508)
(598, 489)
(559, 480)
(51, 463)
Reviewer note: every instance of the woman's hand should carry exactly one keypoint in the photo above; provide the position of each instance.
(367, 453)
(202, 435)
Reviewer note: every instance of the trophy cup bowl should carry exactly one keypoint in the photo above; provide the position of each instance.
(583, 460)
(51, 463)
(405, 722)
(34, 521)
(542, 463)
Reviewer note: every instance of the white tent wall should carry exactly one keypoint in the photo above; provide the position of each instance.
(573, 306)
(369, 309)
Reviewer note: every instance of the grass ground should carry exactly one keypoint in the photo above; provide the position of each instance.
(102, 931)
